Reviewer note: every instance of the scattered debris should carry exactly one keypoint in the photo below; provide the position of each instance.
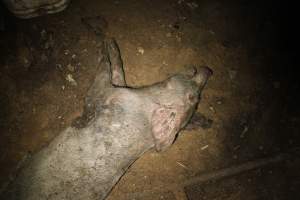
(212, 109)
(49, 43)
(73, 56)
(71, 80)
(236, 147)
(25, 56)
(245, 130)
(43, 34)
(219, 102)
(140, 50)
(178, 38)
(211, 32)
(192, 5)
(71, 68)
(204, 147)
(59, 66)
(66, 52)
(232, 74)
(169, 35)
(261, 147)
(182, 165)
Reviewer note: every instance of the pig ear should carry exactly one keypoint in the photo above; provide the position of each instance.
(165, 124)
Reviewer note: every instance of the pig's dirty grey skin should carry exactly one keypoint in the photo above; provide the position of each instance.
(118, 125)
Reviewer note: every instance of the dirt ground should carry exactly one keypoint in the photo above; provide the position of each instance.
(48, 63)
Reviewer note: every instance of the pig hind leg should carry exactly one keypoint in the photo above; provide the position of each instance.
(110, 74)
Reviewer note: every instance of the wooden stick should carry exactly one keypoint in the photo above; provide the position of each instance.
(178, 188)
(234, 170)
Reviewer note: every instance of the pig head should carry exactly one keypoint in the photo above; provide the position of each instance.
(118, 125)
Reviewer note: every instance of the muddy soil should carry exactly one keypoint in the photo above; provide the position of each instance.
(48, 63)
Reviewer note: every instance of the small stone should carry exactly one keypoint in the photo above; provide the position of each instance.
(66, 52)
(232, 74)
(211, 32)
(245, 130)
(59, 66)
(192, 5)
(71, 68)
(26, 61)
(204, 147)
(73, 56)
(43, 33)
(71, 80)
(219, 102)
(140, 50)
(212, 109)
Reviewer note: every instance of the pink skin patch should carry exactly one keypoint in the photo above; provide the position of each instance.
(166, 122)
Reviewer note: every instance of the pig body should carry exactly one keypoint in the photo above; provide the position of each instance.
(118, 125)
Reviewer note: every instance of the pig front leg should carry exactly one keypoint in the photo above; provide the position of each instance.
(116, 64)
(110, 71)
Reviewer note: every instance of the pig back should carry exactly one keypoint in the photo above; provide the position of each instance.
(86, 163)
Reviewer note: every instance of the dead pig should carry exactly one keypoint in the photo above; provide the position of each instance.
(118, 125)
